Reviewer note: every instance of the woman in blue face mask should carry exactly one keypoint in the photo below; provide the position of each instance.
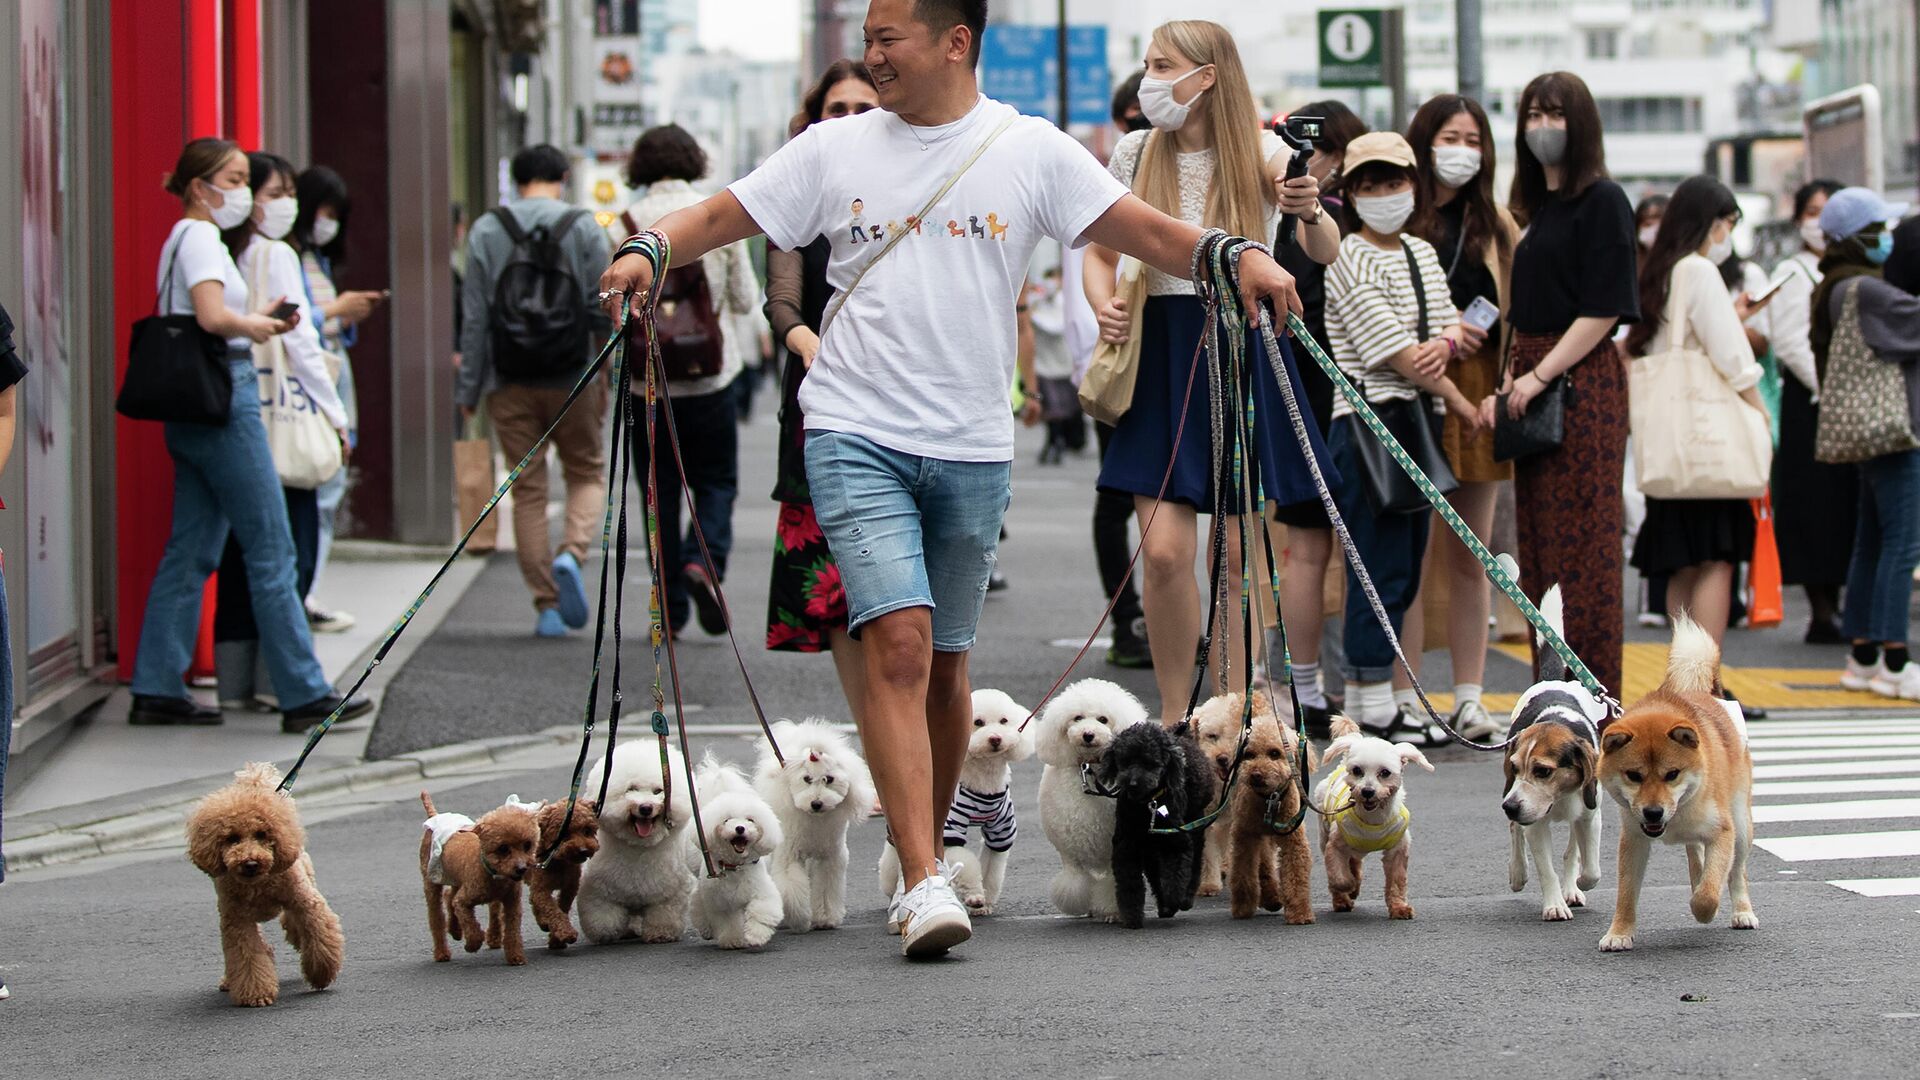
(1860, 324)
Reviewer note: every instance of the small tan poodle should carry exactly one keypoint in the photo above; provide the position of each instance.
(247, 837)
(464, 864)
(1269, 862)
(551, 888)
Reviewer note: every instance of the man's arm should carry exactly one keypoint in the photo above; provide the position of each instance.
(1132, 227)
(713, 223)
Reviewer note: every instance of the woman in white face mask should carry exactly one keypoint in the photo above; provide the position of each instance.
(272, 268)
(225, 481)
(1208, 161)
(1455, 211)
(1686, 317)
(1813, 502)
(1394, 331)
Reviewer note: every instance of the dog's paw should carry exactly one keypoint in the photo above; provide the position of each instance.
(1745, 920)
(1575, 898)
(1589, 879)
(255, 997)
(1299, 917)
(516, 959)
(1614, 941)
(823, 922)
(1210, 890)
(661, 937)
(1342, 902)
(1399, 911)
(1556, 912)
(1705, 906)
(1516, 878)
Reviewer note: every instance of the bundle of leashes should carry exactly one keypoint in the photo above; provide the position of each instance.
(614, 548)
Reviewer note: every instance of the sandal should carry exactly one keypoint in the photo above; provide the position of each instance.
(1410, 728)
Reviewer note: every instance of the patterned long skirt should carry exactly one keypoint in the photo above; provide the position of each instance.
(805, 601)
(1571, 517)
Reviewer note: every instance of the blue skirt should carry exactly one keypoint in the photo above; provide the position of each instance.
(1136, 458)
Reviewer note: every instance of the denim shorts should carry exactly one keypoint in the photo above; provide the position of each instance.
(909, 531)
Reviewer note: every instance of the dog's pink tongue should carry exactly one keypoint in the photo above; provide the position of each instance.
(643, 828)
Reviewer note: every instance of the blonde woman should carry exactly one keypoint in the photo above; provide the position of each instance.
(1207, 161)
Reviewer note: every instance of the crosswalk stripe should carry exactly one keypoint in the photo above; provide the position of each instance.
(1876, 767)
(1833, 753)
(1898, 886)
(1860, 786)
(1888, 726)
(1872, 809)
(1817, 742)
(1903, 843)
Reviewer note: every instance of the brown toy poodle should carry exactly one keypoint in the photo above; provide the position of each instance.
(247, 837)
(551, 888)
(464, 864)
(1269, 863)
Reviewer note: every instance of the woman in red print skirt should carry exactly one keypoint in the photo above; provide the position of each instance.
(1573, 282)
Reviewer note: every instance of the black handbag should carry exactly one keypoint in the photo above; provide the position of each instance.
(1389, 489)
(1540, 429)
(176, 370)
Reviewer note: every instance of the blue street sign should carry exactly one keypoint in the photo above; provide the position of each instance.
(1020, 65)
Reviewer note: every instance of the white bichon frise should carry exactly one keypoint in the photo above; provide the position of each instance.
(821, 791)
(1074, 731)
(639, 885)
(740, 908)
(984, 801)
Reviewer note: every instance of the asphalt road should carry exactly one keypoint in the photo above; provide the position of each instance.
(114, 962)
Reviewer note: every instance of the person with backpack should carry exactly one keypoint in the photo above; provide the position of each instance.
(696, 303)
(529, 326)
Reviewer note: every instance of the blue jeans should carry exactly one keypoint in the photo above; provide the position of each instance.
(1886, 548)
(6, 714)
(909, 531)
(1391, 546)
(223, 479)
(709, 429)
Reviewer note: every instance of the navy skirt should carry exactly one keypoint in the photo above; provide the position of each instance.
(1142, 442)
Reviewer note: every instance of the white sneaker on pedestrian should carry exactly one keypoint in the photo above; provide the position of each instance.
(329, 622)
(4, 992)
(935, 920)
(1859, 676)
(1904, 683)
(897, 908)
(1472, 720)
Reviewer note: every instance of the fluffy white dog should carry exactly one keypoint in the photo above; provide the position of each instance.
(984, 800)
(639, 885)
(822, 790)
(741, 907)
(1074, 731)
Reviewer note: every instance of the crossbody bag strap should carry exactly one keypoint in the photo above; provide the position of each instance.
(1419, 291)
(840, 300)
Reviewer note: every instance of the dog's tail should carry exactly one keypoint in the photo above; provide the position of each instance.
(1343, 724)
(1552, 668)
(426, 800)
(1693, 662)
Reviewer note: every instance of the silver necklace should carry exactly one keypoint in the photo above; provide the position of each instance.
(927, 144)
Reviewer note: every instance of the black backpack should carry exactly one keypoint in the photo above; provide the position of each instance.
(538, 322)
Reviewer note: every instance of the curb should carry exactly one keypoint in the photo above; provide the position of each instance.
(74, 842)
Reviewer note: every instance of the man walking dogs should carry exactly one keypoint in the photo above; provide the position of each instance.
(909, 438)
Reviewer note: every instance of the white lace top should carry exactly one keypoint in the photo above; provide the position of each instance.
(1196, 175)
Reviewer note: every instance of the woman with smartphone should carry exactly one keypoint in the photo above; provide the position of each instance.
(224, 480)
(1455, 212)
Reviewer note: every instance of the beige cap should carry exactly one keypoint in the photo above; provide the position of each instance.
(1385, 146)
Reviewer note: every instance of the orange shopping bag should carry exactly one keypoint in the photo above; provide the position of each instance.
(1765, 605)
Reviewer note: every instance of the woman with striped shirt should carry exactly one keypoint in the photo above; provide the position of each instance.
(1393, 328)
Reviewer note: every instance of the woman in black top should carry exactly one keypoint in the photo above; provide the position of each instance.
(1573, 282)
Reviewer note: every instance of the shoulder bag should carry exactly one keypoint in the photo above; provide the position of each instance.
(1106, 390)
(306, 449)
(176, 370)
(1389, 489)
(1863, 399)
(1693, 437)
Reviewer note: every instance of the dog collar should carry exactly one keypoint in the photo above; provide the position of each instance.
(727, 867)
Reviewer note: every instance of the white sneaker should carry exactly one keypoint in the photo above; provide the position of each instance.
(1902, 684)
(1472, 720)
(935, 920)
(1859, 676)
(897, 908)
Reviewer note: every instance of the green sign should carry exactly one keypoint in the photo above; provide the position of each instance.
(1351, 52)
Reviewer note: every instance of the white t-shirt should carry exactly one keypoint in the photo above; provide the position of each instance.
(201, 257)
(921, 358)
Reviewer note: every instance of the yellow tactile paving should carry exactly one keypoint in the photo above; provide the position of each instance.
(1768, 688)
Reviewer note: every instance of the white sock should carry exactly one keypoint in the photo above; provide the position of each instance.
(1407, 698)
(1306, 685)
(1465, 692)
(1371, 704)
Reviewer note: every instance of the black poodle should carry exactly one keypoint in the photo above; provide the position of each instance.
(1159, 779)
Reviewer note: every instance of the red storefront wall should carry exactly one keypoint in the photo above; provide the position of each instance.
(181, 69)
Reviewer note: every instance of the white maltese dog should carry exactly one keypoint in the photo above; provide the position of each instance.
(639, 885)
(822, 790)
(984, 801)
(1074, 732)
(740, 908)
(1363, 807)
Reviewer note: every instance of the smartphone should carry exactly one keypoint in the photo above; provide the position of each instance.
(287, 310)
(1480, 314)
(1772, 288)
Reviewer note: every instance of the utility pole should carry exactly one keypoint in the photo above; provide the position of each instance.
(1467, 49)
(829, 36)
(1061, 45)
